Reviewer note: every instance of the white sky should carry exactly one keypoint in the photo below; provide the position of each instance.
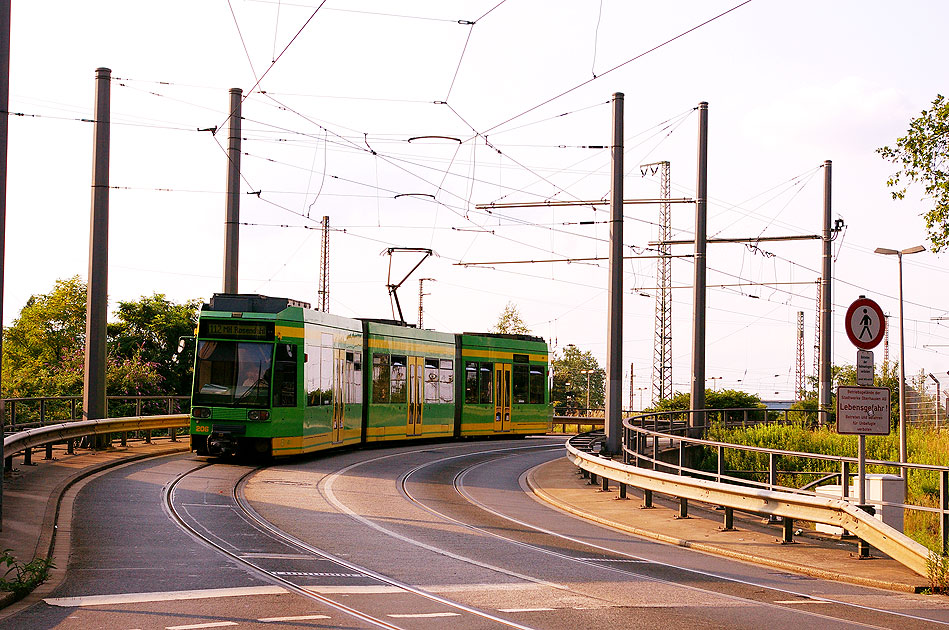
(789, 85)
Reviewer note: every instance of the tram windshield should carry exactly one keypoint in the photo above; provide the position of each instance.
(233, 373)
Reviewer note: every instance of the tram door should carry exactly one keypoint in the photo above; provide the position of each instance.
(416, 384)
(340, 379)
(502, 397)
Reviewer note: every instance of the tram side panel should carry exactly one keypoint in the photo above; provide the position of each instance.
(505, 385)
(410, 392)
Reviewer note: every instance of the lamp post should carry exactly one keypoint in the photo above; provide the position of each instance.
(938, 396)
(899, 257)
(713, 379)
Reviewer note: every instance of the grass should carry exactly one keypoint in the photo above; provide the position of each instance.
(925, 446)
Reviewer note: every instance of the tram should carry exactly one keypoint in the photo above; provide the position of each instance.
(273, 377)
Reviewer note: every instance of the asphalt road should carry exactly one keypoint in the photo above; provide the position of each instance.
(414, 537)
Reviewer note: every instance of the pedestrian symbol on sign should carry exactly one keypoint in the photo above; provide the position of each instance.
(865, 323)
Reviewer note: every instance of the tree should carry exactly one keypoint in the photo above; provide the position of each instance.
(574, 371)
(150, 328)
(510, 322)
(922, 156)
(43, 350)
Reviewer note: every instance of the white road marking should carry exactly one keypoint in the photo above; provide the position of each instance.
(196, 626)
(167, 596)
(517, 610)
(799, 601)
(300, 618)
(424, 615)
(318, 574)
(362, 590)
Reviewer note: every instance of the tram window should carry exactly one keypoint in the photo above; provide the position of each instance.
(446, 381)
(357, 378)
(486, 383)
(326, 373)
(285, 376)
(538, 380)
(431, 380)
(312, 378)
(520, 374)
(380, 378)
(398, 390)
(471, 383)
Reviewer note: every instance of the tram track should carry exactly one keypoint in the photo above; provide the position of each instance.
(613, 555)
(299, 547)
(601, 558)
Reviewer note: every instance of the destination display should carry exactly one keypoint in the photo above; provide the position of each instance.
(863, 410)
(237, 329)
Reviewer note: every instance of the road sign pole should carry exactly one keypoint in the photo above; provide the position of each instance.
(862, 469)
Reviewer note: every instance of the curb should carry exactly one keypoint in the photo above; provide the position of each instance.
(45, 545)
(541, 494)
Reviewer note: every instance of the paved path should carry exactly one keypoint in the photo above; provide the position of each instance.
(33, 496)
(753, 540)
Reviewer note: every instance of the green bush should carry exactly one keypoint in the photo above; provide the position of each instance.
(25, 577)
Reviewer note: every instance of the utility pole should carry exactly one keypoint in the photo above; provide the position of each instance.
(420, 296)
(632, 392)
(94, 405)
(613, 414)
(826, 306)
(4, 119)
(662, 344)
(697, 393)
(233, 207)
(324, 291)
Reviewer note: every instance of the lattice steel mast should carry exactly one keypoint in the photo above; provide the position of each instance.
(324, 292)
(817, 333)
(799, 363)
(662, 346)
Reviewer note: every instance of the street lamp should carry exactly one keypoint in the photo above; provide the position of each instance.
(899, 257)
(714, 378)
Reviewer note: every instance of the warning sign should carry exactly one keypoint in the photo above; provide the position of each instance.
(863, 410)
(865, 323)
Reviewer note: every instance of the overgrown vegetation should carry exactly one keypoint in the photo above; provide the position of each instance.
(925, 446)
(20, 578)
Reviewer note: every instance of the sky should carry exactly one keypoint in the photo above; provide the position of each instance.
(396, 120)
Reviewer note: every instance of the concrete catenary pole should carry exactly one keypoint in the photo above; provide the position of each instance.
(94, 375)
(614, 338)
(824, 380)
(697, 390)
(232, 220)
(4, 106)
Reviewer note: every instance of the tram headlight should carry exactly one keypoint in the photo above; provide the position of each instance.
(200, 412)
(258, 415)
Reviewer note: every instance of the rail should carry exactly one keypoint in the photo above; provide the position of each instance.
(41, 410)
(656, 459)
(25, 441)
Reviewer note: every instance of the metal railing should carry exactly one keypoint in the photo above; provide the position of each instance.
(68, 432)
(656, 457)
(20, 413)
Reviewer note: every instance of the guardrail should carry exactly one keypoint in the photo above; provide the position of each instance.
(68, 432)
(644, 467)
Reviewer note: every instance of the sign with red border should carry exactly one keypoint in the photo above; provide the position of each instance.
(865, 323)
(863, 410)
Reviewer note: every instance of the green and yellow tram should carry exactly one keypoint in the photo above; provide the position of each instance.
(275, 378)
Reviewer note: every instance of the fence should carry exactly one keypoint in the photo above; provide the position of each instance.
(21, 413)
